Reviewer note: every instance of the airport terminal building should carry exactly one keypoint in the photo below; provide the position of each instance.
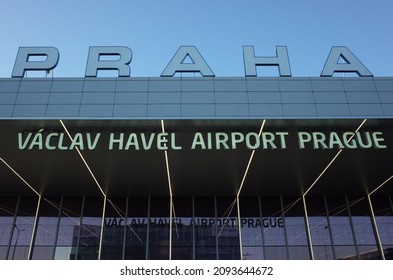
(181, 167)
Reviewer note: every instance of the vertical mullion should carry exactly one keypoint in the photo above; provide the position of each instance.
(352, 228)
(375, 227)
(57, 227)
(148, 229)
(390, 202)
(125, 231)
(216, 227)
(262, 231)
(80, 228)
(12, 228)
(330, 227)
(285, 227)
(30, 253)
(170, 226)
(102, 229)
(193, 228)
(239, 227)
(310, 248)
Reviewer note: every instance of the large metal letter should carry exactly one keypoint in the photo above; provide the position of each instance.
(351, 65)
(23, 64)
(281, 60)
(94, 62)
(177, 63)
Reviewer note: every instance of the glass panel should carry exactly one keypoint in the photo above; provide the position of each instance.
(136, 232)
(276, 252)
(227, 229)
(90, 230)
(159, 229)
(296, 229)
(319, 228)
(251, 228)
(273, 229)
(67, 238)
(205, 229)
(46, 232)
(344, 244)
(384, 218)
(7, 213)
(182, 229)
(114, 226)
(23, 229)
(364, 232)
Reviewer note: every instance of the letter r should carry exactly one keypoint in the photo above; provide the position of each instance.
(94, 62)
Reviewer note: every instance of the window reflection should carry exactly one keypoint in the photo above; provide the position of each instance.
(67, 238)
(23, 229)
(273, 229)
(159, 229)
(227, 229)
(205, 229)
(90, 229)
(344, 244)
(319, 229)
(295, 228)
(7, 213)
(114, 229)
(383, 212)
(182, 229)
(364, 232)
(136, 231)
(46, 231)
(251, 229)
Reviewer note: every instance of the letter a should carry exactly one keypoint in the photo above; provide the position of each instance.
(177, 63)
(351, 65)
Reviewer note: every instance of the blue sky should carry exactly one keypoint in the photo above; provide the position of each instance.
(155, 29)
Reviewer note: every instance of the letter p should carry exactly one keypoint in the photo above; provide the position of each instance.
(23, 62)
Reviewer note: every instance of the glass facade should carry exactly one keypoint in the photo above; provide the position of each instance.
(224, 228)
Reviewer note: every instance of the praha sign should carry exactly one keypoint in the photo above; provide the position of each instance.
(187, 59)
